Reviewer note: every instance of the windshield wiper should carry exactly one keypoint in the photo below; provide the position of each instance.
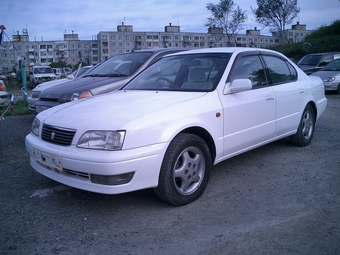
(96, 75)
(116, 75)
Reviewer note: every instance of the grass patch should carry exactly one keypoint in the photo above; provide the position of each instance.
(20, 107)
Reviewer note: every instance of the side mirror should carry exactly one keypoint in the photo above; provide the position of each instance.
(323, 63)
(70, 77)
(237, 85)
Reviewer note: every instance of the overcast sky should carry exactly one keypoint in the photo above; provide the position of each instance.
(48, 20)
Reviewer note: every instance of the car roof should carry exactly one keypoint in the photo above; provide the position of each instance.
(228, 50)
(323, 53)
(157, 50)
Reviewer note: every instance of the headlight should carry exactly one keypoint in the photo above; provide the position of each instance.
(74, 96)
(68, 97)
(329, 79)
(35, 127)
(102, 140)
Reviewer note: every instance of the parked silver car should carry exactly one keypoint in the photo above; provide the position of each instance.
(3, 93)
(330, 75)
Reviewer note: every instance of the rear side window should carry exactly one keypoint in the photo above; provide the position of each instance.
(279, 70)
(326, 59)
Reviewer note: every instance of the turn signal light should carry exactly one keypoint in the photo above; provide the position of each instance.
(85, 94)
(2, 87)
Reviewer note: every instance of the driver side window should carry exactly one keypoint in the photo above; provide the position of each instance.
(249, 67)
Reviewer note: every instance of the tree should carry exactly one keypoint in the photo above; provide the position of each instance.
(227, 16)
(276, 13)
(58, 64)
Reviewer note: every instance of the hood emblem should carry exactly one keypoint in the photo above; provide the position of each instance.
(52, 135)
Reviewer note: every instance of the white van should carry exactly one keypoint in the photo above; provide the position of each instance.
(40, 74)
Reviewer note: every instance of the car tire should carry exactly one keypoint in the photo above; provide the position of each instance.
(185, 170)
(338, 89)
(305, 131)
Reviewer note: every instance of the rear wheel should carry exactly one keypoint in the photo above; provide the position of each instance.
(185, 170)
(305, 131)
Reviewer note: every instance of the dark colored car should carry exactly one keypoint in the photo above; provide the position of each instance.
(108, 76)
(311, 63)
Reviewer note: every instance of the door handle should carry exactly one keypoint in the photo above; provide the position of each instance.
(269, 98)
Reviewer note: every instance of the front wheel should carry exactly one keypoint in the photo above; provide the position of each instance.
(185, 170)
(306, 127)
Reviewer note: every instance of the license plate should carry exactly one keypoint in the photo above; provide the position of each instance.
(39, 109)
(49, 160)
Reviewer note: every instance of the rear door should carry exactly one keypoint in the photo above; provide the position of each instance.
(289, 93)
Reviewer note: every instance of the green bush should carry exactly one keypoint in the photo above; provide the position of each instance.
(324, 39)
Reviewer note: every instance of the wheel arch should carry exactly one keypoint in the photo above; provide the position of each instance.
(205, 135)
(313, 105)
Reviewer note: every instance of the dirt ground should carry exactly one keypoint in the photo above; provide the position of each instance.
(278, 199)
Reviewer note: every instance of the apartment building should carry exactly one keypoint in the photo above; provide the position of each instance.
(72, 50)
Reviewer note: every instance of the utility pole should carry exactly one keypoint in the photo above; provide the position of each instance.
(23, 78)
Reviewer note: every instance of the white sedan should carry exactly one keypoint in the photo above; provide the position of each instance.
(167, 127)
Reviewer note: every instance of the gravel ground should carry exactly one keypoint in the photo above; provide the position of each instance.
(277, 199)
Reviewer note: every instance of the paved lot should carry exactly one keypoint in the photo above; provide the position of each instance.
(278, 199)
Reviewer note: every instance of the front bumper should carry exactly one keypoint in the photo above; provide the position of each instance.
(44, 105)
(4, 98)
(75, 167)
(331, 86)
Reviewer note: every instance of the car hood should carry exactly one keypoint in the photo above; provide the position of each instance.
(325, 74)
(79, 85)
(40, 75)
(304, 67)
(115, 110)
(49, 84)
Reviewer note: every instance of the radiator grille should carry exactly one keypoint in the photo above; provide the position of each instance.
(57, 135)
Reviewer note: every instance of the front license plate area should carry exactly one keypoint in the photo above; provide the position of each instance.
(49, 160)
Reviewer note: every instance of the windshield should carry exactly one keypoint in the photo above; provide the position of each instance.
(191, 72)
(310, 60)
(82, 71)
(332, 66)
(42, 70)
(121, 65)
